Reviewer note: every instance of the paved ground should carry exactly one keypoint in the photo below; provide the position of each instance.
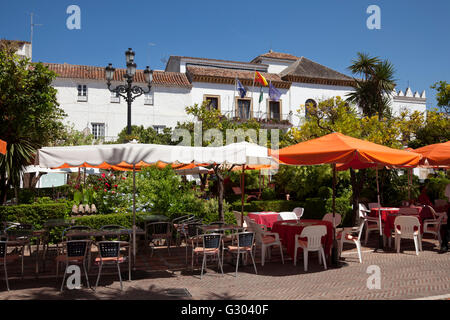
(403, 276)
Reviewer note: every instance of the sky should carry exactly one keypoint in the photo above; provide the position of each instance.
(413, 35)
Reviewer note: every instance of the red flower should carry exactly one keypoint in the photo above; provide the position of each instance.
(113, 192)
(106, 184)
(124, 178)
(103, 175)
(115, 186)
(105, 190)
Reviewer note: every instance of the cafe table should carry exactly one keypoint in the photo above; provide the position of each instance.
(288, 229)
(267, 218)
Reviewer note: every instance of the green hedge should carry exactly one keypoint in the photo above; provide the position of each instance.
(27, 196)
(316, 208)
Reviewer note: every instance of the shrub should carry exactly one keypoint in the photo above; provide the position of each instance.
(316, 208)
(268, 194)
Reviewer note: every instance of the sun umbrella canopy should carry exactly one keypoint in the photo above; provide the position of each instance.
(341, 149)
(125, 155)
(437, 154)
(2, 147)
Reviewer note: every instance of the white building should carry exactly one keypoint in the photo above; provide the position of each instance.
(83, 94)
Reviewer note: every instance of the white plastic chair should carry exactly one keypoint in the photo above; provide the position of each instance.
(248, 221)
(351, 235)
(237, 216)
(404, 229)
(286, 215)
(299, 212)
(314, 236)
(433, 226)
(266, 240)
(329, 217)
(370, 223)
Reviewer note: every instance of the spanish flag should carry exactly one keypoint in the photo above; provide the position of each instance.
(259, 78)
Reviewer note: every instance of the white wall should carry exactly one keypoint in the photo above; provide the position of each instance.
(168, 108)
(276, 66)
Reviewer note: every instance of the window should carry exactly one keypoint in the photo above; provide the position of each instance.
(98, 130)
(213, 102)
(148, 98)
(274, 110)
(159, 128)
(115, 98)
(308, 104)
(243, 108)
(82, 92)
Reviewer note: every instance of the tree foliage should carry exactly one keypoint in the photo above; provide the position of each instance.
(372, 92)
(442, 95)
(146, 135)
(30, 117)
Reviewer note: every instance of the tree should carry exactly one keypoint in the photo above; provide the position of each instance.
(72, 137)
(372, 93)
(443, 95)
(30, 117)
(146, 135)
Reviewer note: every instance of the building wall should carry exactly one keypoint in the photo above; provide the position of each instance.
(168, 108)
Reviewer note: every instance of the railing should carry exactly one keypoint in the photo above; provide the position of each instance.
(274, 119)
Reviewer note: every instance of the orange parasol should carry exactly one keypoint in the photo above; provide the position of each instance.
(2, 147)
(437, 154)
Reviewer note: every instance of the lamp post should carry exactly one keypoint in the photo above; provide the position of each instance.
(128, 91)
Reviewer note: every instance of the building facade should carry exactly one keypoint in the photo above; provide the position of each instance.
(83, 94)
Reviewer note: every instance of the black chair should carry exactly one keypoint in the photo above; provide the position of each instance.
(124, 238)
(66, 236)
(19, 235)
(76, 251)
(5, 258)
(109, 253)
(178, 225)
(211, 247)
(158, 231)
(191, 234)
(245, 244)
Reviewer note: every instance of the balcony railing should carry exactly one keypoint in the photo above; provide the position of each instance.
(266, 119)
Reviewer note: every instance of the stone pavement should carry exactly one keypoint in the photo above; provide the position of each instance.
(403, 276)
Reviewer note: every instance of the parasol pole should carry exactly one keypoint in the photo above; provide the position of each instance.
(242, 193)
(134, 216)
(380, 238)
(334, 251)
(409, 185)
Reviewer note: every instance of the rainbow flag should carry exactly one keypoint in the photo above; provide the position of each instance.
(259, 78)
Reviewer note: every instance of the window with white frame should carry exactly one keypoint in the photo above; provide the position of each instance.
(115, 98)
(148, 99)
(159, 128)
(82, 92)
(98, 130)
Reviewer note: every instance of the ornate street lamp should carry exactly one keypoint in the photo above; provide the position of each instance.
(128, 91)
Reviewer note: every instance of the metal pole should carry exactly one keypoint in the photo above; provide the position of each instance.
(242, 193)
(129, 100)
(334, 251)
(380, 238)
(134, 217)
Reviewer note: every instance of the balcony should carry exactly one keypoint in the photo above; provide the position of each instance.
(273, 120)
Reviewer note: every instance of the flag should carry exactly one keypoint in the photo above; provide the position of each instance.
(242, 90)
(261, 95)
(274, 94)
(260, 79)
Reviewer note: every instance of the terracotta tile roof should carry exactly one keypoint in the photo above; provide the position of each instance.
(98, 73)
(305, 70)
(228, 76)
(219, 60)
(276, 55)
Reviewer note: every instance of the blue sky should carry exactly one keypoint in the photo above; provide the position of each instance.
(414, 35)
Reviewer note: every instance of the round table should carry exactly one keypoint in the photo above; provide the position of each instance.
(289, 228)
(266, 218)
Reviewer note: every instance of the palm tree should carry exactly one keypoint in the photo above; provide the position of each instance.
(373, 89)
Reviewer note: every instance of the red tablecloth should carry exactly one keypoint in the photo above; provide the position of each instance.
(287, 233)
(388, 216)
(265, 218)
